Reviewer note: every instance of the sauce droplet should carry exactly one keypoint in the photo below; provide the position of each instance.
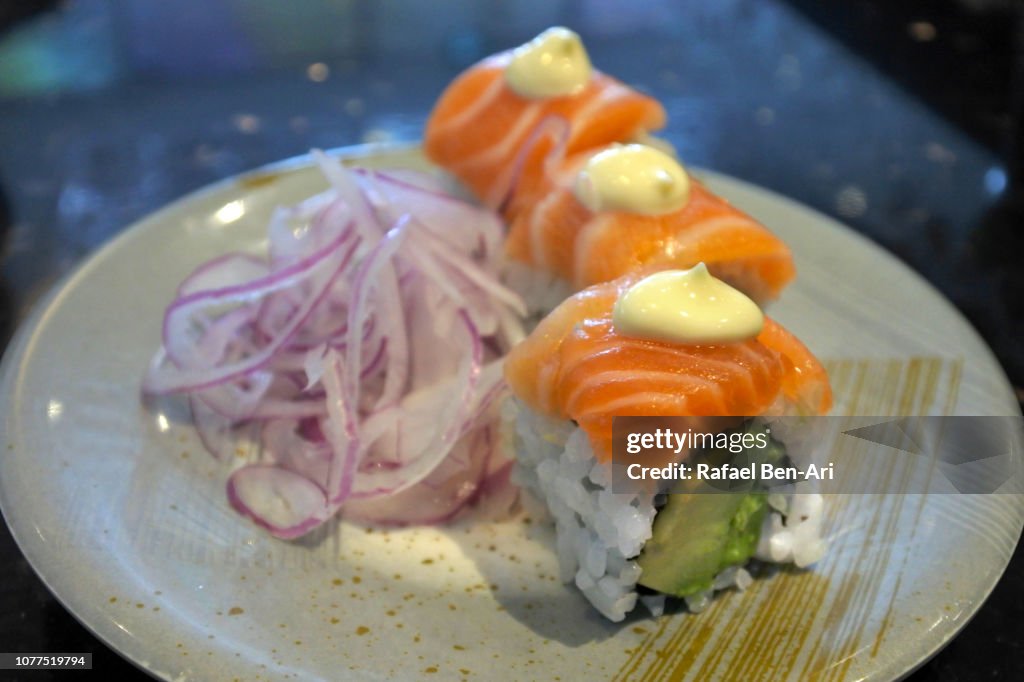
(553, 64)
(686, 306)
(636, 178)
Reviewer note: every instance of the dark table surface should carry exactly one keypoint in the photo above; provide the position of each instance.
(900, 122)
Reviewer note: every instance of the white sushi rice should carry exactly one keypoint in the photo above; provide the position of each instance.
(599, 534)
(793, 535)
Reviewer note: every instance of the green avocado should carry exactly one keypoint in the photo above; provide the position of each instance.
(697, 535)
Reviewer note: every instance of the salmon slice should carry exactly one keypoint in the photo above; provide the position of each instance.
(553, 231)
(490, 137)
(576, 366)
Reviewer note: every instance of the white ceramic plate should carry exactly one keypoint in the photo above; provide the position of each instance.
(123, 515)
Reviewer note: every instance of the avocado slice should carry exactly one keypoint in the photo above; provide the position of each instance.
(697, 535)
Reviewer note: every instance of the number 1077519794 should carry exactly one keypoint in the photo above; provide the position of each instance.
(14, 661)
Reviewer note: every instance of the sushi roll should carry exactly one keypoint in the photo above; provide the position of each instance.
(600, 214)
(498, 121)
(668, 343)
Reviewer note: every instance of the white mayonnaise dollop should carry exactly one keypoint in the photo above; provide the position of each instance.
(553, 64)
(686, 306)
(635, 178)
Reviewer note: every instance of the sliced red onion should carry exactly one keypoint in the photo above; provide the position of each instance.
(430, 420)
(284, 502)
(320, 272)
(342, 430)
(433, 183)
(466, 268)
(296, 231)
(364, 279)
(457, 222)
(365, 348)
(313, 365)
(452, 485)
(214, 429)
(229, 270)
(286, 443)
(348, 192)
(237, 400)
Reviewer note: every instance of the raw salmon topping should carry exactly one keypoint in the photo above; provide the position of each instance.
(576, 366)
